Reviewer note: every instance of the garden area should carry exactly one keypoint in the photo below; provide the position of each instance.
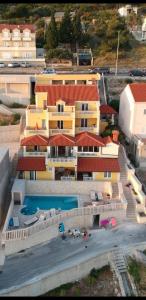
(99, 283)
(6, 120)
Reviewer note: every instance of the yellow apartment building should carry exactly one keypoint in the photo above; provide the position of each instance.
(17, 41)
(61, 139)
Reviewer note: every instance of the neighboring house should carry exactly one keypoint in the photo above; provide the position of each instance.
(132, 117)
(4, 176)
(126, 10)
(17, 41)
(58, 17)
(62, 139)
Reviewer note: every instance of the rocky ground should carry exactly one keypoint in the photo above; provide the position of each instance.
(102, 285)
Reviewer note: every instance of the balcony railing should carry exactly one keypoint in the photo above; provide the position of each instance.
(61, 159)
(28, 38)
(29, 130)
(68, 178)
(86, 112)
(35, 153)
(87, 153)
(87, 178)
(55, 131)
(16, 38)
(6, 38)
(91, 129)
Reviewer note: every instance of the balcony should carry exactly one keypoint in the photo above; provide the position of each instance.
(34, 109)
(33, 131)
(61, 131)
(87, 154)
(35, 153)
(61, 158)
(66, 115)
(86, 114)
(87, 178)
(6, 38)
(90, 129)
(16, 38)
(26, 38)
(67, 178)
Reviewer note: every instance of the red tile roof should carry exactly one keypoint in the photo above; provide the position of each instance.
(139, 91)
(61, 140)
(69, 93)
(107, 140)
(88, 139)
(94, 164)
(20, 26)
(31, 164)
(107, 109)
(35, 140)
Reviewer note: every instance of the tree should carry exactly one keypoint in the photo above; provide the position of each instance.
(66, 29)
(77, 29)
(51, 34)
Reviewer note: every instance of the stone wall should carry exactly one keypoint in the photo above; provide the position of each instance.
(48, 281)
(43, 187)
(10, 133)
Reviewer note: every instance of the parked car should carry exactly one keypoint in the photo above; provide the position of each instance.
(101, 70)
(13, 65)
(137, 72)
(2, 65)
(25, 64)
(48, 71)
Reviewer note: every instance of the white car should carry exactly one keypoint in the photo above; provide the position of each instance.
(2, 65)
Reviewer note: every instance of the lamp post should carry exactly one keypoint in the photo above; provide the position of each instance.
(117, 54)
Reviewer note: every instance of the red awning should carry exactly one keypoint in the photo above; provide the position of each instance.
(31, 164)
(93, 164)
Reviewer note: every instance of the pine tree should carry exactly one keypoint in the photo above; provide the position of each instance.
(66, 29)
(51, 34)
(77, 30)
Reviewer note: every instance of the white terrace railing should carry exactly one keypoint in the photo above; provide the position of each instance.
(24, 233)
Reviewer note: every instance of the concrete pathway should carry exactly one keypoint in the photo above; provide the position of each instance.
(131, 204)
(58, 254)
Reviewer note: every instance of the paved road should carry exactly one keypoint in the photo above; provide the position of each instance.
(59, 254)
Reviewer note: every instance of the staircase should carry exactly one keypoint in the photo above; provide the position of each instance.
(119, 265)
(115, 191)
(131, 204)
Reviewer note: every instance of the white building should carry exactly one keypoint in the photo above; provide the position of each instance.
(126, 10)
(4, 175)
(132, 118)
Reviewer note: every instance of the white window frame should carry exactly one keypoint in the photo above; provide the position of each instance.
(107, 174)
(144, 111)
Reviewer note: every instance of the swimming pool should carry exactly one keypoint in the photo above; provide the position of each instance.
(48, 202)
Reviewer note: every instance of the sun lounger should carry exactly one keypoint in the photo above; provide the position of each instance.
(42, 217)
(93, 195)
(31, 221)
(15, 222)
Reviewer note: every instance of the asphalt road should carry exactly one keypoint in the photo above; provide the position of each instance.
(58, 254)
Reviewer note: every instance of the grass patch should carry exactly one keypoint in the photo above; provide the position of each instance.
(16, 105)
(134, 270)
(61, 290)
(16, 119)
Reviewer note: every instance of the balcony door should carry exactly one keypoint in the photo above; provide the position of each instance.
(32, 175)
(84, 123)
(84, 106)
(60, 124)
(60, 108)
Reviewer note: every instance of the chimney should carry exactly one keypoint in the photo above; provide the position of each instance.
(115, 135)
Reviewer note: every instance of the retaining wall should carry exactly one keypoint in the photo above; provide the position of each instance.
(46, 282)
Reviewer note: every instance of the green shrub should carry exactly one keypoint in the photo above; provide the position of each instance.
(4, 122)
(106, 132)
(133, 269)
(16, 105)
(32, 100)
(128, 80)
(16, 119)
(115, 104)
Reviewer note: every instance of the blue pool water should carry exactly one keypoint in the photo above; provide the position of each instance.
(32, 203)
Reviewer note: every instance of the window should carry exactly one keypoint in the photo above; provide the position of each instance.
(44, 124)
(85, 106)
(60, 108)
(96, 149)
(84, 123)
(107, 175)
(90, 149)
(85, 149)
(80, 149)
(144, 111)
(32, 175)
(26, 33)
(60, 124)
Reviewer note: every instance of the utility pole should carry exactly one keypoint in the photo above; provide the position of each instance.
(117, 54)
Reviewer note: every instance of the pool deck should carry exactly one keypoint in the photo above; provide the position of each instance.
(16, 212)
